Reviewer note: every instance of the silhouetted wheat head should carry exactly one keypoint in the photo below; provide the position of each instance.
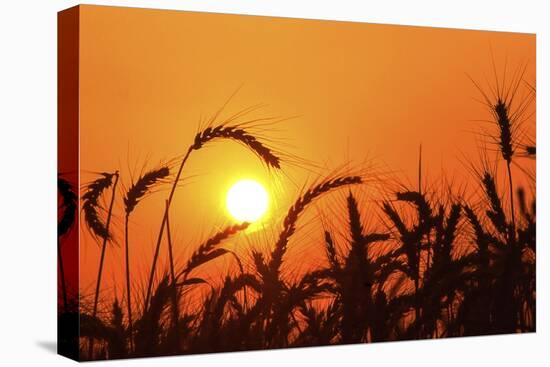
(495, 211)
(91, 205)
(240, 135)
(69, 208)
(508, 110)
(505, 129)
(356, 228)
(142, 186)
(208, 250)
(291, 218)
(69, 205)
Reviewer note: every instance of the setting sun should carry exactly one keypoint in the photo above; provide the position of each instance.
(247, 200)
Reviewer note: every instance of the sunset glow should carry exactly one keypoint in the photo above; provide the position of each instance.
(231, 183)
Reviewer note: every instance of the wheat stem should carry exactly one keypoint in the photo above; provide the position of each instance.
(161, 231)
(133, 196)
(511, 201)
(62, 275)
(175, 306)
(128, 288)
(102, 258)
(170, 250)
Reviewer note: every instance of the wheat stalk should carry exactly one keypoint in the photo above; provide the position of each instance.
(90, 207)
(175, 298)
(135, 193)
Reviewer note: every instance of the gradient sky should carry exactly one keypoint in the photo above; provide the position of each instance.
(350, 91)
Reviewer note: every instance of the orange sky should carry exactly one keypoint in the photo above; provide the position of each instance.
(353, 90)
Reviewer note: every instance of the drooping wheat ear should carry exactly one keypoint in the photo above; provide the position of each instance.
(91, 205)
(240, 135)
(69, 205)
(289, 224)
(209, 251)
(142, 186)
(236, 133)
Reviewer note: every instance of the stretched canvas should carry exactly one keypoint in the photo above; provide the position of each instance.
(234, 183)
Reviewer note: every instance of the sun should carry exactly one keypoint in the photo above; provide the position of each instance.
(247, 201)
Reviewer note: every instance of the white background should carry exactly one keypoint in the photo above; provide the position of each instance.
(28, 182)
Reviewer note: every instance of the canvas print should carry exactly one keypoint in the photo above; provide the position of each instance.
(235, 183)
